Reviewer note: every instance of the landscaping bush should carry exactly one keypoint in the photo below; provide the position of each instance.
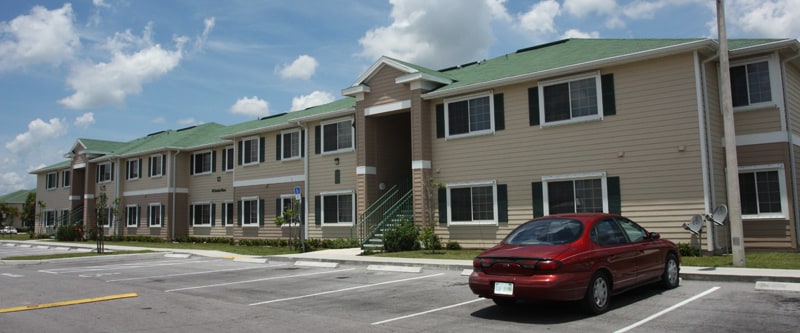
(67, 233)
(687, 250)
(403, 238)
(430, 240)
(453, 245)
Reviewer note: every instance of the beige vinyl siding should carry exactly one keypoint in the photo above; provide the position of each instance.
(205, 188)
(387, 91)
(661, 186)
(758, 121)
(267, 193)
(792, 95)
(144, 182)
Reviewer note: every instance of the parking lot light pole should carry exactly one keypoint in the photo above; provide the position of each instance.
(731, 162)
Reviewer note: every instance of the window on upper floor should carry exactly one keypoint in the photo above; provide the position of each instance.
(572, 99)
(289, 145)
(750, 84)
(157, 165)
(203, 163)
(227, 159)
(472, 203)
(337, 136)
(134, 170)
(762, 191)
(251, 151)
(52, 180)
(66, 177)
(470, 115)
(104, 172)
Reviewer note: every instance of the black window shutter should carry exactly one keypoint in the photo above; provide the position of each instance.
(148, 215)
(499, 114)
(278, 147)
(239, 212)
(609, 101)
(111, 171)
(239, 152)
(161, 208)
(191, 165)
(317, 210)
(213, 213)
(278, 208)
(127, 170)
(614, 197)
(150, 167)
(317, 139)
(261, 147)
(303, 143)
(302, 210)
(440, 120)
(140, 168)
(213, 161)
(442, 205)
(191, 215)
(533, 106)
(538, 202)
(261, 212)
(138, 215)
(502, 202)
(163, 164)
(97, 174)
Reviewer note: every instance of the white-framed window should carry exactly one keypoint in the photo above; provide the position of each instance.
(290, 145)
(107, 217)
(575, 193)
(337, 136)
(64, 217)
(134, 169)
(752, 83)
(104, 172)
(155, 215)
(52, 180)
(228, 159)
(469, 115)
(338, 208)
(50, 218)
(572, 99)
(287, 202)
(156, 165)
(471, 203)
(202, 214)
(66, 178)
(251, 211)
(132, 215)
(762, 192)
(202, 163)
(251, 151)
(227, 213)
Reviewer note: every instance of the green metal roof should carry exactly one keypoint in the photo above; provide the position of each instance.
(17, 197)
(285, 118)
(100, 145)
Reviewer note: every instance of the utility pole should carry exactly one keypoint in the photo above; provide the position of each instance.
(731, 162)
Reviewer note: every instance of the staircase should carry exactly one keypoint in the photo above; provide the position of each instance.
(395, 206)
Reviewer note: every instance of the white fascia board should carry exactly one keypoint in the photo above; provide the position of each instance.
(422, 76)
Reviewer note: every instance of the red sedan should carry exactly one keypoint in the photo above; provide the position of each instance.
(574, 257)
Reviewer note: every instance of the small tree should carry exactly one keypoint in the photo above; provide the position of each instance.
(28, 214)
(430, 240)
(102, 211)
(291, 216)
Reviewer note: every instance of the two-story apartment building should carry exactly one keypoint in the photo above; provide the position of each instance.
(630, 126)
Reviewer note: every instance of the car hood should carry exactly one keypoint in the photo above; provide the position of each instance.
(526, 251)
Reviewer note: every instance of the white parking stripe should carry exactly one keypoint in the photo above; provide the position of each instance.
(429, 311)
(345, 289)
(259, 280)
(196, 273)
(122, 266)
(639, 323)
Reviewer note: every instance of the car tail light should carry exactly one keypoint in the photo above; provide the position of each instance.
(548, 265)
(479, 264)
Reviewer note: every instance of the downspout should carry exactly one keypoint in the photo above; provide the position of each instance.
(174, 191)
(705, 137)
(305, 183)
(789, 137)
(116, 195)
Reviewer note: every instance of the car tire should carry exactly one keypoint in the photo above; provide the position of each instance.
(671, 276)
(504, 302)
(598, 294)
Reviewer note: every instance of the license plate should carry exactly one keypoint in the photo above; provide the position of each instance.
(503, 288)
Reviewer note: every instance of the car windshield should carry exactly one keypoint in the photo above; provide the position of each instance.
(546, 232)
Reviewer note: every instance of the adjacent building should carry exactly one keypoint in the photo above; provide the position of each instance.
(630, 126)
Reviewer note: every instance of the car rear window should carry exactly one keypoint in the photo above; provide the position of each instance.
(546, 232)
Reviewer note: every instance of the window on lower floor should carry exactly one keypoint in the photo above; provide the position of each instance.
(106, 217)
(227, 213)
(250, 213)
(52, 180)
(337, 208)
(155, 215)
(202, 214)
(64, 217)
(288, 204)
(575, 196)
(762, 192)
(50, 218)
(132, 216)
(473, 203)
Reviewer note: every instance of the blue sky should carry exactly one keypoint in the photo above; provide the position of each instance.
(120, 69)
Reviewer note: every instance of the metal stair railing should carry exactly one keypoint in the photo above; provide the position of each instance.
(390, 217)
(377, 210)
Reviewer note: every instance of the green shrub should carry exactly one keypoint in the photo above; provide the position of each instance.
(402, 238)
(430, 240)
(67, 233)
(687, 250)
(453, 245)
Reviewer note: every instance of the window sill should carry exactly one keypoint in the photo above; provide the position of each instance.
(470, 135)
(765, 217)
(755, 107)
(472, 224)
(584, 119)
(340, 151)
(343, 224)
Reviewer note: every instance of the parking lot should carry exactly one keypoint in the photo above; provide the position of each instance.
(157, 292)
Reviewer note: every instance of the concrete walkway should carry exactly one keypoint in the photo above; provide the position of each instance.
(352, 257)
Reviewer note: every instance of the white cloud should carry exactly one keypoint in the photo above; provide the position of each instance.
(581, 8)
(540, 19)
(108, 83)
(100, 3)
(250, 107)
(189, 122)
(85, 120)
(10, 182)
(574, 33)
(498, 10)
(312, 99)
(39, 132)
(301, 68)
(772, 18)
(432, 33)
(158, 120)
(200, 41)
(44, 36)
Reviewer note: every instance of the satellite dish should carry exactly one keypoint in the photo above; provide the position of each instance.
(695, 225)
(719, 215)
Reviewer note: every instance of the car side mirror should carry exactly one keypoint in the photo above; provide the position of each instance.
(655, 236)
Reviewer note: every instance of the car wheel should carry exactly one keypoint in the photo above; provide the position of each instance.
(671, 276)
(504, 302)
(598, 294)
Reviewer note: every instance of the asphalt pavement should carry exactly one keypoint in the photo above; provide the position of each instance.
(353, 256)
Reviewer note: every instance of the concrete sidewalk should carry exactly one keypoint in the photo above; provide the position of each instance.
(352, 257)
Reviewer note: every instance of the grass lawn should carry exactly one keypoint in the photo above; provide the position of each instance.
(753, 259)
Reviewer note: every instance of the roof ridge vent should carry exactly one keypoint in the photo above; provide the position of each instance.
(542, 46)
